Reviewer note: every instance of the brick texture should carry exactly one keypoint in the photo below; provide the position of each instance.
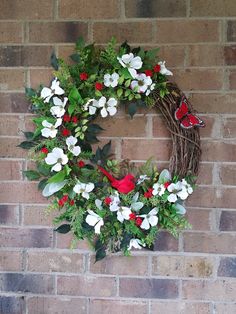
(39, 273)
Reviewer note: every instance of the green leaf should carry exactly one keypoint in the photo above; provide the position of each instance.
(127, 83)
(131, 96)
(44, 169)
(74, 99)
(106, 149)
(30, 92)
(42, 184)
(100, 254)
(26, 144)
(54, 61)
(95, 128)
(75, 57)
(125, 73)
(80, 43)
(121, 79)
(31, 175)
(58, 177)
(119, 92)
(132, 109)
(65, 228)
(29, 135)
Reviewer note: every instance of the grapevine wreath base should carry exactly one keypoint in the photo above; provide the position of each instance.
(113, 204)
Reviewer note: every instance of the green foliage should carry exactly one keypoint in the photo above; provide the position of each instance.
(31, 175)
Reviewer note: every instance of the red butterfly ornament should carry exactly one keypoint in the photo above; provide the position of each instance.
(186, 118)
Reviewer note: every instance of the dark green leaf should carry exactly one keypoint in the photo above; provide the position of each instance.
(94, 128)
(126, 46)
(26, 144)
(29, 135)
(132, 109)
(106, 149)
(75, 57)
(80, 43)
(30, 92)
(63, 229)
(43, 169)
(100, 254)
(91, 138)
(74, 99)
(31, 175)
(54, 61)
(42, 184)
(126, 240)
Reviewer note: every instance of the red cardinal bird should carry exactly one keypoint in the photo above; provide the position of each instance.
(124, 185)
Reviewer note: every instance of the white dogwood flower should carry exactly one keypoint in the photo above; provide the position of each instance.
(158, 189)
(176, 190)
(135, 243)
(84, 189)
(141, 83)
(56, 158)
(142, 178)
(150, 219)
(131, 62)
(59, 109)
(55, 89)
(94, 220)
(70, 142)
(123, 213)
(111, 80)
(50, 130)
(151, 88)
(115, 201)
(187, 186)
(163, 69)
(109, 107)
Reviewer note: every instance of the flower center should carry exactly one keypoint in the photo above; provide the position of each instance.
(140, 83)
(59, 160)
(71, 147)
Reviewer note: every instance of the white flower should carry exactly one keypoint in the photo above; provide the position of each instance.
(149, 219)
(98, 203)
(84, 189)
(187, 186)
(109, 107)
(94, 220)
(176, 190)
(151, 88)
(141, 83)
(56, 158)
(123, 213)
(49, 129)
(135, 243)
(131, 63)
(55, 89)
(163, 69)
(70, 142)
(115, 201)
(111, 80)
(158, 189)
(142, 178)
(59, 109)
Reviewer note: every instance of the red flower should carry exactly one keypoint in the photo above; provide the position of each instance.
(132, 216)
(83, 76)
(65, 198)
(81, 163)
(124, 185)
(157, 68)
(74, 119)
(44, 150)
(66, 118)
(72, 202)
(107, 200)
(148, 194)
(60, 202)
(65, 132)
(138, 221)
(98, 86)
(166, 184)
(148, 73)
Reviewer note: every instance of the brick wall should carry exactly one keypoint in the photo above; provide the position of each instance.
(196, 274)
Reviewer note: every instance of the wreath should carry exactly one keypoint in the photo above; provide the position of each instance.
(114, 204)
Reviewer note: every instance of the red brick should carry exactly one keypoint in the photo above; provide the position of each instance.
(231, 30)
(10, 170)
(223, 308)
(9, 215)
(209, 243)
(165, 242)
(194, 79)
(97, 306)
(155, 8)
(55, 262)
(199, 218)
(13, 237)
(187, 31)
(214, 103)
(38, 215)
(87, 286)
(15, 304)
(180, 307)
(159, 128)
(229, 127)
(228, 221)
(120, 265)
(9, 147)
(57, 32)
(93, 9)
(39, 76)
(10, 125)
(182, 266)
(11, 32)
(228, 174)
(232, 79)
(209, 8)
(12, 79)
(205, 174)
(219, 290)
(57, 305)
(27, 9)
(65, 52)
(210, 126)
(227, 267)
(173, 55)
(64, 241)
(134, 32)
(10, 261)
(28, 283)
(218, 151)
(143, 149)
(13, 102)
(205, 55)
(148, 288)
(230, 55)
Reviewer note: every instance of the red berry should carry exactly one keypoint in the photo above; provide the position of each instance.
(66, 118)
(64, 198)
(166, 184)
(98, 86)
(132, 216)
(72, 202)
(107, 200)
(65, 132)
(74, 119)
(44, 150)
(148, 73)
(81, 163)
(157, 68)
(148, 194)
(138, 221)
(83, 76)
(60, 202)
